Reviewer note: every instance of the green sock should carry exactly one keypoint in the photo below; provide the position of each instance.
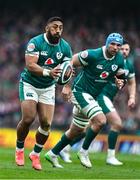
(77, 139)
(112, 139)
(90, 135)
(20, 144)
(61, 144)
(38, 148)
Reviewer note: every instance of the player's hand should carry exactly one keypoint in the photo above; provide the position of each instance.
(55, 72)
(131, 102)
(66, 93)
(119, 82)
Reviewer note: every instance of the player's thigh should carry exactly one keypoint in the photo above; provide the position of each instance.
(113, 118)
(27, 92)
(86, 104)
(47, 95)
(79, 119)
(46, 105)
(45, 113)
(109, 110)
(85, 108)
(29, 110)
(28, 98)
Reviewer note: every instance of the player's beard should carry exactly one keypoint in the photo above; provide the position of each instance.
(109, 54)
(53, 39)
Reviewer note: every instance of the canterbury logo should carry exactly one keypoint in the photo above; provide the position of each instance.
(29, 94)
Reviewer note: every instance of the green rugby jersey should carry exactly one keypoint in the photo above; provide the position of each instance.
(110, 90)
(97, 70)
(49, 56)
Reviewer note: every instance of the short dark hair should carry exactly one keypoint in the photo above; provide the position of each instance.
(55, 18)
(125, 42)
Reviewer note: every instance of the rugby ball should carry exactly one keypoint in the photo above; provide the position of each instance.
(66, 74)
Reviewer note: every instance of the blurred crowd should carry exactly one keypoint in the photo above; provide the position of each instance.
(17, 29)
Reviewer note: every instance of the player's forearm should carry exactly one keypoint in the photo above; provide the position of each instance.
(132, 88)
(33, 67)
(36, 69)
(75, 61)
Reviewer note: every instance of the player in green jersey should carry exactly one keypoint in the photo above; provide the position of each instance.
(105, 100)
(130, 73)
(99, 67)
(113, 119)
(43, 55)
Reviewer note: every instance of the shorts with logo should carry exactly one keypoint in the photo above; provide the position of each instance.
(29, 92)
(85, 108)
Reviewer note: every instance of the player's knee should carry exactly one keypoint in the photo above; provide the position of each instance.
(101, 122)
(117, 126)
(98, 122)
(27, 120)
(74, 132)
(77, 131)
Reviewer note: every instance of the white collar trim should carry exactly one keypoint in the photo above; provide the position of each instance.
(104, 48)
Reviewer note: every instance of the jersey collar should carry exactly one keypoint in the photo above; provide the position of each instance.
(104, 54)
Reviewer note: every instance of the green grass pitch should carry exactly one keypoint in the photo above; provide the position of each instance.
(130, 169)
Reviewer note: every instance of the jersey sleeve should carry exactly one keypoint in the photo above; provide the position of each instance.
(85, 57)
(68, 54)
(131, 73)
(121, 68)
(32, 48)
